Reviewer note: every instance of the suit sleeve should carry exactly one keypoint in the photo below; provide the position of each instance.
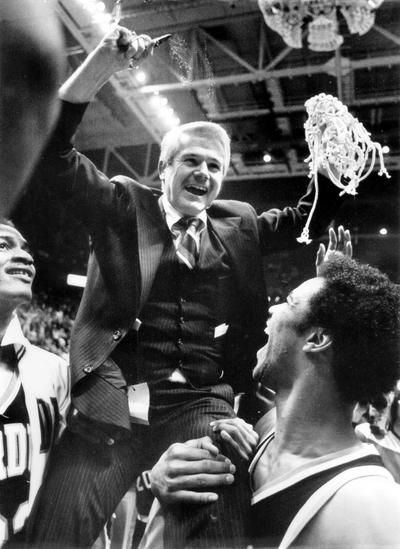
(278, 229)
(73, 178)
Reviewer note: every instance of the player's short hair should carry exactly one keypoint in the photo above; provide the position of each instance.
(360, 308)
(171, 142)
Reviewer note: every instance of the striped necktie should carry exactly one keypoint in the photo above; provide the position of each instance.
(186, 251)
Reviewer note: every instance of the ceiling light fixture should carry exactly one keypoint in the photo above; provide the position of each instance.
(320, 17)
(267, 158)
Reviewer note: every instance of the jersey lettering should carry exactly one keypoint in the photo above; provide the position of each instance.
(16, 444)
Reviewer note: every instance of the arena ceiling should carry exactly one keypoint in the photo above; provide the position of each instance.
(223, 63)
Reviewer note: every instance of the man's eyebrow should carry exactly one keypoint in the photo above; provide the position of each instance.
(197, 155)
(11, 239)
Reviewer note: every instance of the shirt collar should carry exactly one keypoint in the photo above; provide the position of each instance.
(14, 336)
(172, 216)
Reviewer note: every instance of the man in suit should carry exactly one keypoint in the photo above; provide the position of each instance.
(172, 311)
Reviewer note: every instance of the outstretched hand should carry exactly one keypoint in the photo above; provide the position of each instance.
(337, 244)
(186, 468)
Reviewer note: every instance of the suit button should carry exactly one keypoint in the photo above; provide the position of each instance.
(179, 342)
(117, 335)
(110, 441)
(88, 369)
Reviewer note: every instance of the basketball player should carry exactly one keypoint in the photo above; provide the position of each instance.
(34, 391)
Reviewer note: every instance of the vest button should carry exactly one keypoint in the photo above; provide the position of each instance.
(179, 342)
(88, 369)
(117, 335)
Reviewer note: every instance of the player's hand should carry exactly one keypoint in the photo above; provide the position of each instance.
(186, 468)
(337, 244)
(239, 434)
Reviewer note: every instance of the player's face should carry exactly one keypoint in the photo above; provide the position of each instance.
(276, 360)
(193, 178)
(17, 270)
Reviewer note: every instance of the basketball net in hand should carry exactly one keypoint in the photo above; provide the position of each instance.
(340, 145)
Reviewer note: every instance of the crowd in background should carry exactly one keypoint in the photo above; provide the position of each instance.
(47, 322)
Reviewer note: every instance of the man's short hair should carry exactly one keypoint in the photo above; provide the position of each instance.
(170, 143)
(360, 308)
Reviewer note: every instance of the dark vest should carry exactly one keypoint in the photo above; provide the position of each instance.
(182, 313)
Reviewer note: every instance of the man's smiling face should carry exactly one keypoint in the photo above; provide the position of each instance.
(193, 178)
(17, 270)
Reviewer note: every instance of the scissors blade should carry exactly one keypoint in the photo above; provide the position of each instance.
(160, 39)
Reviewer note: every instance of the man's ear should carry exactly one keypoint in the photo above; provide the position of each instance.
(161, 167)
(318, 340)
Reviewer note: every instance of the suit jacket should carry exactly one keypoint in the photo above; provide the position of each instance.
(126, 227)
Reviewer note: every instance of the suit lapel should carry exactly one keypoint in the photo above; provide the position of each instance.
(152, 232)
(229, 232)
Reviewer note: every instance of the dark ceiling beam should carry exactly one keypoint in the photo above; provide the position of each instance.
(188, 25)
(261, 75)
(289, 109)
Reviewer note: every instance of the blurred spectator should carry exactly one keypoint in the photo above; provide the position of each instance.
(380, 426)
(47, 322)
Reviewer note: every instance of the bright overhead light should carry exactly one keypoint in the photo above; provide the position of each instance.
(159, 100)
(385, 149)
(102, 18)
(383, 231)
(167, 111)
(141, 77)
(267, 157)
(100, 6)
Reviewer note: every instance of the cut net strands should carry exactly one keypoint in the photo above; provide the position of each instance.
(188, 52)
(340, 145)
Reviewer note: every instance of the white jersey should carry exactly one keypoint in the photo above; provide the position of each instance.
(33, 407)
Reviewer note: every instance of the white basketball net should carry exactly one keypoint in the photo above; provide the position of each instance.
(339, 145)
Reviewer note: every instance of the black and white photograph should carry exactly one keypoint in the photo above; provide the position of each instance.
(200, 274)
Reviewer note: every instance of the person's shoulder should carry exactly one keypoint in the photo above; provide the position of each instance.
(367, 499)
(46, 357)
(368, 490)
(127, 185)
(364, 512)
(231, 207)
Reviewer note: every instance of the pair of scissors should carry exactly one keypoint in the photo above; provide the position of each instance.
(116, 17)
